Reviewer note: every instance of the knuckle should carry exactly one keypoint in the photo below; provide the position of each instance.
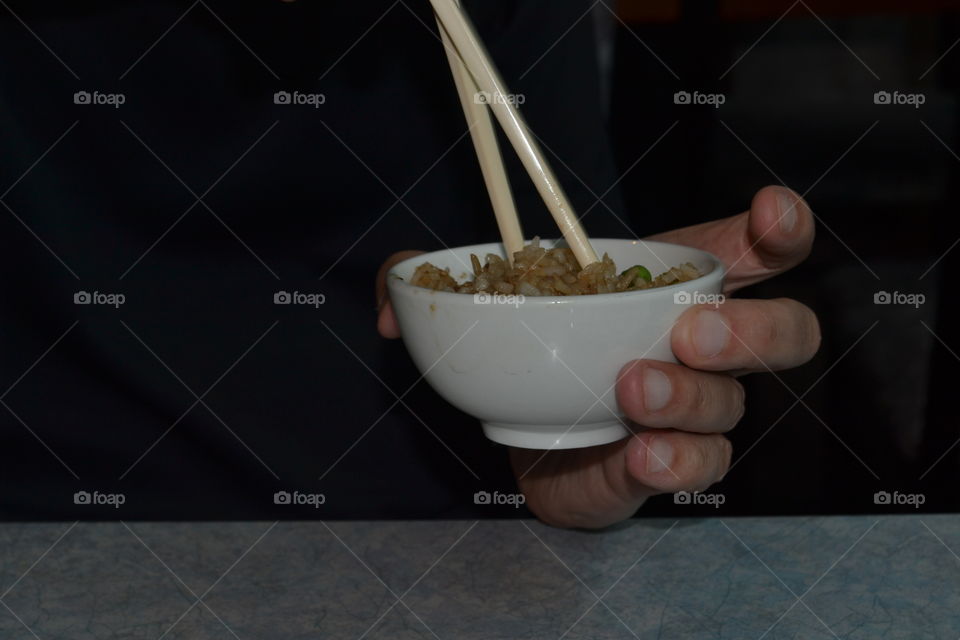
(708, 461)
(696, 457)
(757, 332)
(701, 397)
(541, 503)
(770, 329)
(718, 403)
(808, 336)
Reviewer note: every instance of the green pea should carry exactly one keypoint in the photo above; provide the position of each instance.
(637, 271)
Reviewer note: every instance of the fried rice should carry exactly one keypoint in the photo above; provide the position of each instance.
(537, 271)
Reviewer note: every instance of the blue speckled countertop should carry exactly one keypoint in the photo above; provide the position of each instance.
(846, 577)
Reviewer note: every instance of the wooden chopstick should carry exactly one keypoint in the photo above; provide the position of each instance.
(488, 151)
(474, 57)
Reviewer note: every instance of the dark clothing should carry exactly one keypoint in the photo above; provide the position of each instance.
(293, 198)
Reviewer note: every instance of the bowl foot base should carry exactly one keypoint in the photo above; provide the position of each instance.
(540, 436)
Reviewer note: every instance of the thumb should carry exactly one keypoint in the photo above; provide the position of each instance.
(597, 486)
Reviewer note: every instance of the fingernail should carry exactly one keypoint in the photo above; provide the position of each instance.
(656, 389)
(788, 211)
(710, 334)
(659, 455)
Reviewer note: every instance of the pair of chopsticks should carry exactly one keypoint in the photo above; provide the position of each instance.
(475, 74)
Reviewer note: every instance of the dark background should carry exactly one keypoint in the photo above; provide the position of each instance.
(877, 402)
(881, 416)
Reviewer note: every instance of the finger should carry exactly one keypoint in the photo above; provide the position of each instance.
(381, 282)
(773, 236)
(387, 325)
(752, 335)
(386, 320)
(664, 395)
(780, 232)
(669, 461)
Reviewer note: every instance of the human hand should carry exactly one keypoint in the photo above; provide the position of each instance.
(686, 406)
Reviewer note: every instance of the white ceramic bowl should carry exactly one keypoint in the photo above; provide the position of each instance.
(539, 372)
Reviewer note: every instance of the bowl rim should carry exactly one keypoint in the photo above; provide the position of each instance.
(394, 281)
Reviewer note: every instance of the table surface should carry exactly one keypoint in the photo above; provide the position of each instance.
(798, 577)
